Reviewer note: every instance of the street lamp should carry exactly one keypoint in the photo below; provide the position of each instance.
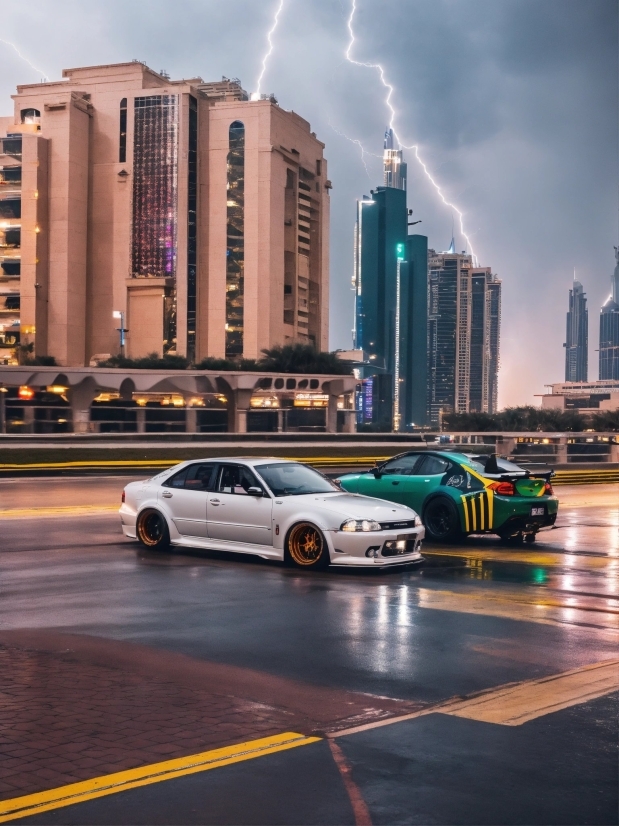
(122, 330)
(399, 251)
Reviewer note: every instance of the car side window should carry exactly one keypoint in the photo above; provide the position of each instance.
(200, 476)
(433, 466)
(236, 479)
(401, 465)
(178, 480)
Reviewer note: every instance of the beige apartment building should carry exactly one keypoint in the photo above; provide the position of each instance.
(199, 215)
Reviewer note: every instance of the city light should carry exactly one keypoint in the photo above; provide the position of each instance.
(390, 89)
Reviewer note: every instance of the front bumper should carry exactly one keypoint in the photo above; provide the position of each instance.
(377, 549)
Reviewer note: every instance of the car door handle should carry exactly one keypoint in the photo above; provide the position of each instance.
(395, 483)
(214, 501)
(167, 495)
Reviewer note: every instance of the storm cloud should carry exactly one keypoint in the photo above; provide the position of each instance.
(513, 103)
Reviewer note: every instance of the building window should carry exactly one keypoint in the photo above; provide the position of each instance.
(122, 143)
(192, 227)
(31, 117)
(155, 194)
(235, 253)
(155, 185)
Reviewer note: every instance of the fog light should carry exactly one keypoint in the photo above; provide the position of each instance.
(373, 551)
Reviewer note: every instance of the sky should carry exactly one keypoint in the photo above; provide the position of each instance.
(513, 105)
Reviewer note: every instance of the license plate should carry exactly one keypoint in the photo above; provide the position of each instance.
(538, 511)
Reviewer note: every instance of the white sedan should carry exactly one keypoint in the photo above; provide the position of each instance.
(273, 508)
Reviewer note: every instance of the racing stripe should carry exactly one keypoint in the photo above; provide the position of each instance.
(490, 498)
(466, 513)
(474, 512)
(481, 511)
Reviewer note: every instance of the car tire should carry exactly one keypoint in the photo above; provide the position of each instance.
(306, 546)
(442, 520)
(152, 530)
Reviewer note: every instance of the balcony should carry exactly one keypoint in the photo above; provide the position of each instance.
(11, 148)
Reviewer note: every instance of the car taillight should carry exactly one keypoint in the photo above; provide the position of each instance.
(122, 498)
(503, 488)
(548, 491)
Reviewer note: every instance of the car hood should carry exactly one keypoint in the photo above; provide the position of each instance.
(355, 506)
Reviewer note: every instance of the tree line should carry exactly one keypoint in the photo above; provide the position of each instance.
(532, 419)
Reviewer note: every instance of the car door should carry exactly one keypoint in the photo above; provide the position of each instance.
(429, 476)
(234, 515)
(184, 496)
(392, 483)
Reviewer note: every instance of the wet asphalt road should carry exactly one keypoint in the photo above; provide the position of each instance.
(475, 617)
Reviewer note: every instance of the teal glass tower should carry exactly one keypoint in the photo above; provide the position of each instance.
(390, 283)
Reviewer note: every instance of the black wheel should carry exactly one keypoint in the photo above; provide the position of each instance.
(306, 547)
(530, 538)
(442, 520)
(152, 530)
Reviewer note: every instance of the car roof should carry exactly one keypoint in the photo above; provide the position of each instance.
(240, 460)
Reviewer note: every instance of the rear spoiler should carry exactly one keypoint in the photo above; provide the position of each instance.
(537, 470)
(532, 469)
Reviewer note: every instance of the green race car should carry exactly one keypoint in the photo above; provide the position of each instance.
(457, 494)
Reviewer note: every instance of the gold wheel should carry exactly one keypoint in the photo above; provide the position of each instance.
(306, 545)
(152, 530)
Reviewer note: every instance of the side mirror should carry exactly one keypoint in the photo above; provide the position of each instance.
(376, 472)
(254, 491)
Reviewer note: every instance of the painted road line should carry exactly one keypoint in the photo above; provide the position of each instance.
(521, 702)
(517, 704)
(520, 607)
(133, 778)
(74, 510)
(541, 558)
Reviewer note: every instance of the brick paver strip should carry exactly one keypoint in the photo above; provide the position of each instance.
(74, 707)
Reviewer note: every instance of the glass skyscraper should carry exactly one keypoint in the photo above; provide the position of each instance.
(609, 329)
(464, 320)
(390, 302)
(576, 336)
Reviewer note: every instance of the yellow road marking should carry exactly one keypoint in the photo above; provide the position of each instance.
(520, 608)
(133, 778)
(70, 510)
(529, 558)
(521, 702)
(517, 704)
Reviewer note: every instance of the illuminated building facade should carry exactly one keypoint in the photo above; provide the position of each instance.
(463, 335)
(576, 335)
(198, 214)
(609, 329)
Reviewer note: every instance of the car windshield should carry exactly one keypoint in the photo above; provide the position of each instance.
(291, 479)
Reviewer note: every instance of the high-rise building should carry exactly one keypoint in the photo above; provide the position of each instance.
(576, 336)
(200, 216)
(464, 314)
(394, 168)
(390, 283)
(609, 329)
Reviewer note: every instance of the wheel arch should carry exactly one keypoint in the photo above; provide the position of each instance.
(451, 496)
(299, 520)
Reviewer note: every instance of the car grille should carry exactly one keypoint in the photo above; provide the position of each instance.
(390, 526)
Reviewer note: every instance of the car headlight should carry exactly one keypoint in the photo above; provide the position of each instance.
(418, 522)
(354, 525)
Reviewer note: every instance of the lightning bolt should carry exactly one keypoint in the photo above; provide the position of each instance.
(256, 95)
(24, 58)
(358, 143)
(390, 90)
